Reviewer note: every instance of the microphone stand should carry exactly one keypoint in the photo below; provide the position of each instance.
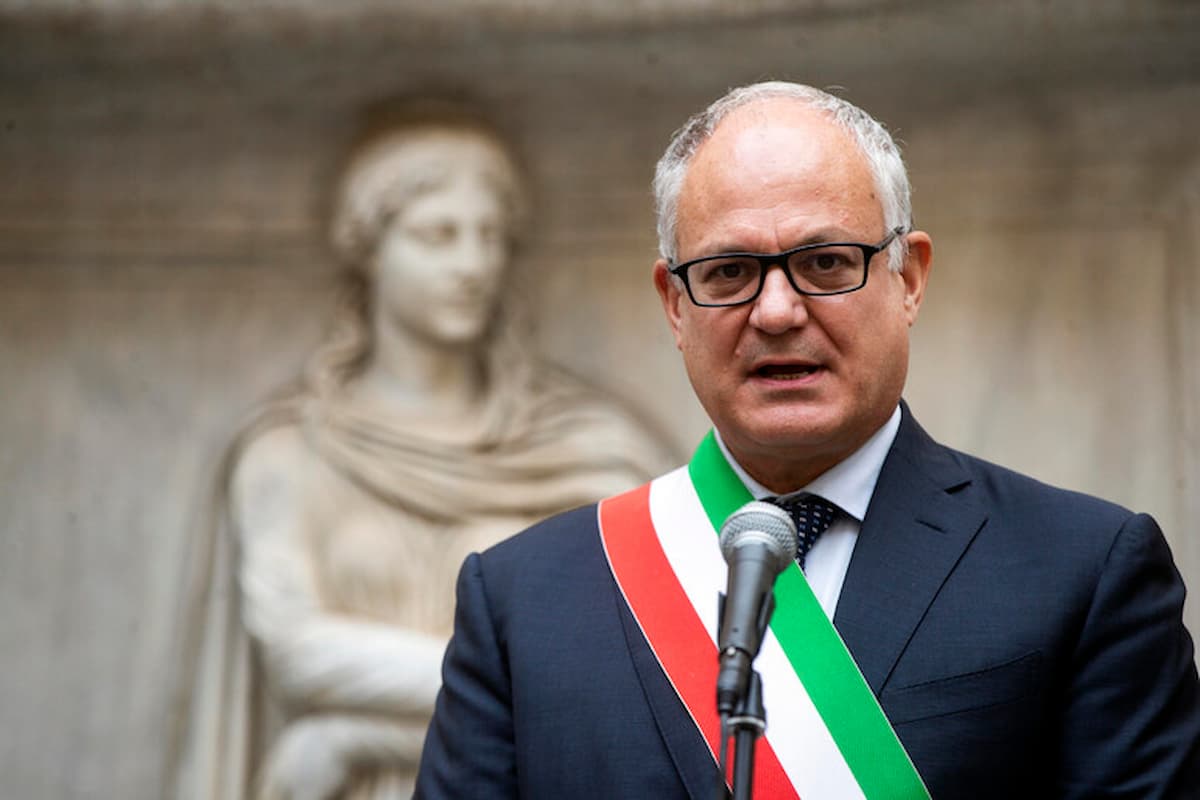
(748, 722)
(748, 719)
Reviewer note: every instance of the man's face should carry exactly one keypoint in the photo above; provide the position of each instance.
(794, 384)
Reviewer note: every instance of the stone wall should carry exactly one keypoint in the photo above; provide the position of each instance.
(162, 265)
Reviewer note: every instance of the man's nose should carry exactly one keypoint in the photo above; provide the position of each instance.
(779, 307)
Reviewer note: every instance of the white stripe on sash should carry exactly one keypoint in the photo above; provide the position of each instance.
(797, 734)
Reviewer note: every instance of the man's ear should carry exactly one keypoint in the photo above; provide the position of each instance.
(917, 264)
(671, 295)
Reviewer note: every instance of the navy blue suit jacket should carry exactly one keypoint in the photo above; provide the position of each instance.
(1024, 641)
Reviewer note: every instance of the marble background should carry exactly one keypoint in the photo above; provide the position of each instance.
(162, 264)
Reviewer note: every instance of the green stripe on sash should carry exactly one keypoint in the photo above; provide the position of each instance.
(817, 654)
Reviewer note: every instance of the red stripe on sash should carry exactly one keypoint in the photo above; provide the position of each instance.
(673, 630)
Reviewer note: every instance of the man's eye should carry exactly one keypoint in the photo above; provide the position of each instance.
(730, 270)
(825, 261)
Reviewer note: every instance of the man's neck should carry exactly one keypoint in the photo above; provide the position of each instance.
(849, 482)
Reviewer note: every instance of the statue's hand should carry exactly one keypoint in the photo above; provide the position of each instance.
(305, 763)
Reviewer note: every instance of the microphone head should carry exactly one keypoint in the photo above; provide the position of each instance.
(763, 523)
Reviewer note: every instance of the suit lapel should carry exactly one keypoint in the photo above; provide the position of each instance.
(916, 528)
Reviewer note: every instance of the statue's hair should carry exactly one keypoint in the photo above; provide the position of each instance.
(402, 153)
(882, 154)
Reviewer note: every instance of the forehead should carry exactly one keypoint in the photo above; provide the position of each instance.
(777, 169)
(459, 193)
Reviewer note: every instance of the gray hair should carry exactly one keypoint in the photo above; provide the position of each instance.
(877, 145)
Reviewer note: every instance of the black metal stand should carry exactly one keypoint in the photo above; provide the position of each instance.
(746, 724)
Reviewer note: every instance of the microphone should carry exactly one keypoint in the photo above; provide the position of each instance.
(758, 542)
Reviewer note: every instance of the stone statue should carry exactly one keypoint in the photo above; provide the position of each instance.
(421, 431)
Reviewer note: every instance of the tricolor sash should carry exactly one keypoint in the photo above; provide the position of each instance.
(827, 738)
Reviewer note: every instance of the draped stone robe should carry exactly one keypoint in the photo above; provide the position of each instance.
(339, 624)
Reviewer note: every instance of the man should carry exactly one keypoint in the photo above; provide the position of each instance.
(1019, 640)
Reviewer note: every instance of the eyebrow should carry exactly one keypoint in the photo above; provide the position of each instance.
(821, 236)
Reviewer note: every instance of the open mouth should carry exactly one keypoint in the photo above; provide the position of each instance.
(786, 372)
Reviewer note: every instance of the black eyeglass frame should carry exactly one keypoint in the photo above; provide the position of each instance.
(767, 260)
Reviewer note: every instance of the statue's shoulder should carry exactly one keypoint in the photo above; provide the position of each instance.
(603, 421)
(274, 477)
(272, 453)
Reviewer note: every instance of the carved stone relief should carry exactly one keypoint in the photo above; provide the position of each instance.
(422, 430)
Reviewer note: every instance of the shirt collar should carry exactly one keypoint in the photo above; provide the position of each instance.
(848, 484)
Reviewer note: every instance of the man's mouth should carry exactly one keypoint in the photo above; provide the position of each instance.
(786, 372)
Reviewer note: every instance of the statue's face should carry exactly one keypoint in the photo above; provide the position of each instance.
(440, 260)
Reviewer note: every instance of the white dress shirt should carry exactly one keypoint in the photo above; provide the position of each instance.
(849, 485)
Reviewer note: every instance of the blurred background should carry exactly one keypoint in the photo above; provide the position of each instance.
(164, 175)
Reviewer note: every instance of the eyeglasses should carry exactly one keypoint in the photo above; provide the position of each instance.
(731, 279)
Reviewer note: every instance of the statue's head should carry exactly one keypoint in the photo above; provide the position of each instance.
(428, 210)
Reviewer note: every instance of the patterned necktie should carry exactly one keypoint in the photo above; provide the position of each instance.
(812, 514)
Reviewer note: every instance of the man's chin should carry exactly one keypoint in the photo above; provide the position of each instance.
(789, 435)
(801, 419)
